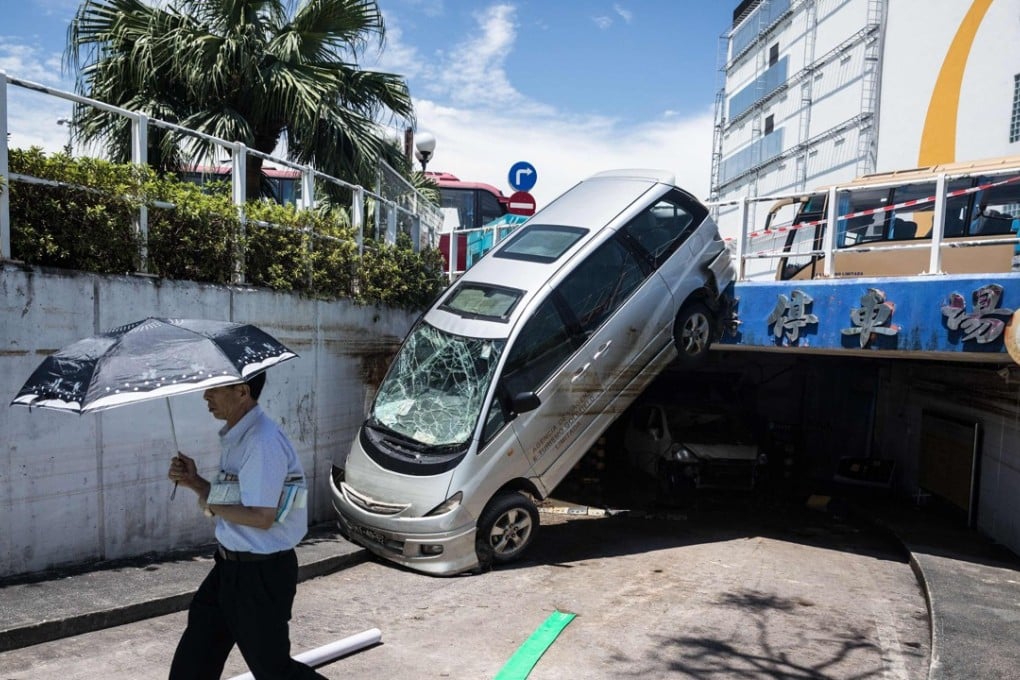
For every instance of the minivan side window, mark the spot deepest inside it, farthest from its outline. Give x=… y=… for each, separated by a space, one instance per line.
x=600 y=284
x=663 y=227
x=587 y=297
x=542 y=346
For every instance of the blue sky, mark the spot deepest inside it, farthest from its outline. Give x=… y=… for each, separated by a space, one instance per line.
x=572 y=86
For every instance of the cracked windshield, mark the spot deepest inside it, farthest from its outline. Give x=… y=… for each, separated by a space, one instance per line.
x=435 y=390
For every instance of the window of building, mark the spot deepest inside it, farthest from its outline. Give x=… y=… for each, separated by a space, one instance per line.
x=770 y=123
x=1014 y=123
x=773 y=54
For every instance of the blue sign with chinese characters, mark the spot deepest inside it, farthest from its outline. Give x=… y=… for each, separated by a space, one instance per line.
x=931 y=316
x=522 y=176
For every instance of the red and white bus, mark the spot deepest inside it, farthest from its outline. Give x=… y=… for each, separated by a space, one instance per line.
x=465 y=205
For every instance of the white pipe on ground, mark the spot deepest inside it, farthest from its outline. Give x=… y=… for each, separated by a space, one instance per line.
x=326 y=653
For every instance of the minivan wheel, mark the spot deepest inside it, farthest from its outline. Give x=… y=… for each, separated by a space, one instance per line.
x=505 y=529
x=692 y=332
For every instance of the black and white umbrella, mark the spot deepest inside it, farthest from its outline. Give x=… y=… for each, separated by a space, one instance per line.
x=149 y=359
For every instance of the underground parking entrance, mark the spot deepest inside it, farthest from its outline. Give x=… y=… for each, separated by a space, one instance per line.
x=748 y=431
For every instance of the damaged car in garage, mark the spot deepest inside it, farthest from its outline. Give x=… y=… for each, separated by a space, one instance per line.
x=686 y=448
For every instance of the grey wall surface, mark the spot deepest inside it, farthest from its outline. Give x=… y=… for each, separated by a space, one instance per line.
x=987 y=396
x=94 y=487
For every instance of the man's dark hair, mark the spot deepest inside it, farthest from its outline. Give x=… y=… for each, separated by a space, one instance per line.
x=255 y=384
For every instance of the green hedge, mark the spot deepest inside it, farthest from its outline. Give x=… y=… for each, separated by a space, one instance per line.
x=87 y=223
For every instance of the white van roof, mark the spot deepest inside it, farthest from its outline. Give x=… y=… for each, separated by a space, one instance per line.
x=649 y=175
x=589 y=207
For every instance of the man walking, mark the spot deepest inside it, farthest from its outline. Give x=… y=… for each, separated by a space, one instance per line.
x=246 y=599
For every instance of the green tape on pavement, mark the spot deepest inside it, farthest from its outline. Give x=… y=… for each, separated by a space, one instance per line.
x=528 y=654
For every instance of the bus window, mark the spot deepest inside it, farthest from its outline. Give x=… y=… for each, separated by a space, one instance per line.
x=458 y=206
x=800 y=266
x=912 y=221
x=957 y=208
x=801 y=240
x=873 y=244
x=863 y=228
x=995 y=209
x=489 y=207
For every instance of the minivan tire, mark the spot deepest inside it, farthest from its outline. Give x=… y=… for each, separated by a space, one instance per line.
x=505 y=529
x=693 y=332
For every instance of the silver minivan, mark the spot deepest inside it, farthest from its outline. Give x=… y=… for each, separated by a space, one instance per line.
x=509 y=378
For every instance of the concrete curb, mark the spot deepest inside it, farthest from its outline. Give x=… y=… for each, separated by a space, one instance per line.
x=934 y=623
x=47 y=631
x=933 y=620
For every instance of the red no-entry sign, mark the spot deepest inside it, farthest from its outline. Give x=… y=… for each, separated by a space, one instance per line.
x=521 y=203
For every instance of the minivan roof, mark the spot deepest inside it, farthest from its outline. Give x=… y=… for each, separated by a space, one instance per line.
x=593 y=204
x=651 y=175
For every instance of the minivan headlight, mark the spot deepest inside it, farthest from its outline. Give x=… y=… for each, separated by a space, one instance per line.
x=446 y=506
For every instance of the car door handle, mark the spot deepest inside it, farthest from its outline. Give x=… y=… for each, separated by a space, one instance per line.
x=579 y=372
x=602 y=350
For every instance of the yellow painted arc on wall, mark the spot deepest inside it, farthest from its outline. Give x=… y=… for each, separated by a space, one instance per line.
x=938 y=139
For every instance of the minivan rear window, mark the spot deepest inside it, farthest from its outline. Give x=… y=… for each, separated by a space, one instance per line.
x=541 y=243
x=483 y=301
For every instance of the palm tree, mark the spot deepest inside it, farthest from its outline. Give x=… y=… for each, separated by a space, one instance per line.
x=245 y=70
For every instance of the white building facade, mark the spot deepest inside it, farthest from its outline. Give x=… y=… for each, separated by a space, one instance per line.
x=818 y=92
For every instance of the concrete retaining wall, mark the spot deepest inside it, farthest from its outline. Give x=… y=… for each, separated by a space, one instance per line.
x=81 y=488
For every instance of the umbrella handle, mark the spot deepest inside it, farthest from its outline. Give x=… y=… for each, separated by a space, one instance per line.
x=173 y=431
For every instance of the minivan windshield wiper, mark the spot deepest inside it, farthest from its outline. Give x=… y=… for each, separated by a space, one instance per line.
x=374 y=424
x=434 y=392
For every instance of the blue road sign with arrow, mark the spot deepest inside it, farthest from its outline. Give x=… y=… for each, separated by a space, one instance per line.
x=522 y=176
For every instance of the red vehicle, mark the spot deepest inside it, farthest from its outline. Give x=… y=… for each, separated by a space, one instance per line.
x=465 y=205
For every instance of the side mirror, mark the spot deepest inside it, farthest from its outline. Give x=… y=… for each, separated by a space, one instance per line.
x=524 y=402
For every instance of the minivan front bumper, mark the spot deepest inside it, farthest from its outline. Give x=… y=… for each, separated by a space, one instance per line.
x=422 y=543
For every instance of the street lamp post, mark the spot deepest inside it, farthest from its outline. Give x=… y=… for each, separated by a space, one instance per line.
x=424 y=146
x=70 y=133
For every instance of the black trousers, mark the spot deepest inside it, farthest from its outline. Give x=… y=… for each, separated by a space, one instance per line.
x=243 y=603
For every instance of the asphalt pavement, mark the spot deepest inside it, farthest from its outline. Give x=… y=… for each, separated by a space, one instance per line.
x=972 y=587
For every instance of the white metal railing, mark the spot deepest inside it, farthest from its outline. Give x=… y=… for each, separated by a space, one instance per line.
x=487 y=237
x=421 y=219
x=744 y=251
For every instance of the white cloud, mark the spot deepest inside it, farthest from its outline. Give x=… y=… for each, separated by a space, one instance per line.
x=483 y=124
x=474 y=73
x=32 y=116
x=624 y=13
x=396 y=55
x=29 y=62
x=603 y=22
x=480 y=145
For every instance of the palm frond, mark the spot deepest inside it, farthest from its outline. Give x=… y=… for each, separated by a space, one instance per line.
x=246 y=70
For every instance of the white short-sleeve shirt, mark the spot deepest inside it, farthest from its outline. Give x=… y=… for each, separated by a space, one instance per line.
x=259 y=456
